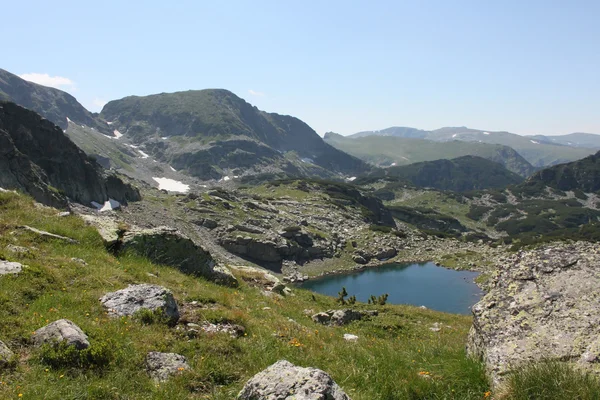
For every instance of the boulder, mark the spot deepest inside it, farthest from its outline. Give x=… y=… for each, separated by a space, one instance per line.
x=6 y=355
x=386 y=253
x=168 y=246
x=134 y=298
x=48 y=235
x=283 y=380
x=542 y=304
x=160 y=366
x=107 y=227
x=7 y=267
x=62 y=330
x=223 y=276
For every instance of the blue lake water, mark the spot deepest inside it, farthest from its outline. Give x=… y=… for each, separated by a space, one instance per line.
x=423 y=284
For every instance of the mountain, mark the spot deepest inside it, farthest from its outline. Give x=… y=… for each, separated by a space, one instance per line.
x=213 y=133
x=396 y=131
x=582 y=175
x=459 y=174
x=38 y=158
x=53 y=104
x=385 y=151
x=578 y=139
x=536 y=152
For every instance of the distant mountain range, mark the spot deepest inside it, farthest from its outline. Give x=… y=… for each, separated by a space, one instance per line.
x=459 y=174
x=388 y=151
x=539 y=151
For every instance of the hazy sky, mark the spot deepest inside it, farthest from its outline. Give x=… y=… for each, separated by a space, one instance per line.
x=524 y=66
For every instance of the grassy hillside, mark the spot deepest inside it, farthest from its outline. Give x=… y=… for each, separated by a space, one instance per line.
x=384 y=151
x=460 y=174
x=396 y=356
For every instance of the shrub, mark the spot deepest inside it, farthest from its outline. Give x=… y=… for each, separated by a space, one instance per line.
x=149 y=317
x=62 y=355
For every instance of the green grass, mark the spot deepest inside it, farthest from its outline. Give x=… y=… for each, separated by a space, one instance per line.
x=386 y=363
x=550 y=381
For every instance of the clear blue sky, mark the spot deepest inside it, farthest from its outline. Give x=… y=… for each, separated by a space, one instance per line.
x=524 y=66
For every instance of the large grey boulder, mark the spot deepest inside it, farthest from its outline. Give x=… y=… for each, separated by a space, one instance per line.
x=7 y=267
x=128 y=301
x=542 y=304
x=62 y=330
x=168 y=246
x=283 y=380
x=160 y=366
x=6 y=355
x=107 y=227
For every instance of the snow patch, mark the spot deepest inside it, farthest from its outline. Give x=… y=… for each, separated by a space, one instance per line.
x=68 y=120
x=351 y=178
x=307 y=160
x=172 y=185
x=534 y=142
x=226 y=178
x=164 y=137
x=172 y=169
x=455 y=135
x=117 y=134
x=144 y=155
x=404 y=158
x=486 y=133
x=108 y=205
x=109 y=123
x=393 y=164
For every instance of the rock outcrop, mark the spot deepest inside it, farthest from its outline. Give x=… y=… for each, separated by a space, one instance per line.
x=160 y=366
x=128 y=301
x=62 y=330
x=542 y=304
x=342 y=317
x=283 y=380
x=38 y=158
x=168 y=246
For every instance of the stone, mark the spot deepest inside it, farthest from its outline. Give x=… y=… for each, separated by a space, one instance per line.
x=283 y=380
x=160 y=366
x=107 y=227
x=541 y=304
x=223 y=276
x=7 y=267
x=6 y=355
x=49 y=235
x=386 y=253
x=79 y=261
x=128 y=301
x=62 y=330
x=321 y=318
x=18 y=249
x=209 y=223
x=350 y=337
x=359 y=259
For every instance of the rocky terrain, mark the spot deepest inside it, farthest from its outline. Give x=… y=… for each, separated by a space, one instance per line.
x=37 y=158
x=541 y=305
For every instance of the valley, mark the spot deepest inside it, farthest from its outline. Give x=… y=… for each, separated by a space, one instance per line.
x=174 y=238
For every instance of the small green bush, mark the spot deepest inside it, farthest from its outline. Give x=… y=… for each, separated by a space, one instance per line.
x=62 y=355
x=149 y=317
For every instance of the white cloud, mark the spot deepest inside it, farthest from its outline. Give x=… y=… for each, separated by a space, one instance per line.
x=44 y=79
x=255 y=93
x=99 y=102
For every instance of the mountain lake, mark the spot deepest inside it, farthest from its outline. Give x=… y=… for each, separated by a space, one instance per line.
x=422 y=284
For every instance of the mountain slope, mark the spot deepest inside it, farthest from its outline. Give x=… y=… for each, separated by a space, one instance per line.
x=578 y=139
x=538 y=153
x=53 y=104
x=38 y=158
x=211 y=133
x=582 y=175
x=384 y=151
x=460 y=174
